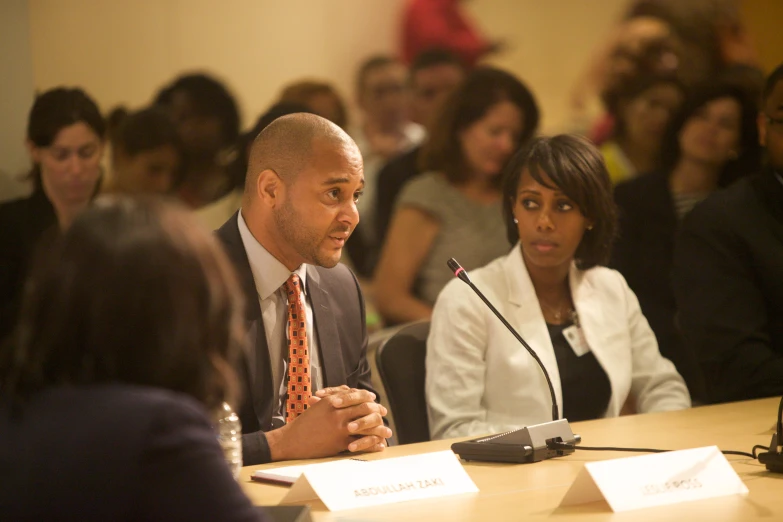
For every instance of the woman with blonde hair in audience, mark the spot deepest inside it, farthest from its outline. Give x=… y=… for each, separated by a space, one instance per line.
x=65 y=139
x=146 y=153
x=581 y=318
x=711 y=142
x=130 y=325
x=454 y=208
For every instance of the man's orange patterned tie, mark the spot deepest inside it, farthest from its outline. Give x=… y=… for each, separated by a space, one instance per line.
x=299 y=389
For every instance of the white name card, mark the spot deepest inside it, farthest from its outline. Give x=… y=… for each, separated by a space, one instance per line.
x=347 y=486
x=656 y=480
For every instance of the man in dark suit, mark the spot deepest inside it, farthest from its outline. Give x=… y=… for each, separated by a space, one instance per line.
x=306 y=380
x=728 y=274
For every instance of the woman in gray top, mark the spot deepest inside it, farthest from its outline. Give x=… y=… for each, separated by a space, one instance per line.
x=454 y=208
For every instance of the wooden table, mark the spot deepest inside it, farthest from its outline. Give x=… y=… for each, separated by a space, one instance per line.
x=533 y=491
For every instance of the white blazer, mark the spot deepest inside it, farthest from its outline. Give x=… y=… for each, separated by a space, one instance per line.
x=480 y=380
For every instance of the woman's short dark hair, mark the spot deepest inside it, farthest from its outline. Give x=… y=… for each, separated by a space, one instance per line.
x=748 y=160
x=209 y=98
x=573 y=165
x=483 y=88
x=56 y=109
x=135 y=291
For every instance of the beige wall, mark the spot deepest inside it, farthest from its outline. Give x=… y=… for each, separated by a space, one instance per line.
x=123 y=50
x=16 y=94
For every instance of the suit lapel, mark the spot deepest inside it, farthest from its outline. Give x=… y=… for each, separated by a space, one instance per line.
x=325 y=326
x=256 y=347
x=527 y=318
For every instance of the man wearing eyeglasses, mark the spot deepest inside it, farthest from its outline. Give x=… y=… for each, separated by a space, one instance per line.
x=728 y=273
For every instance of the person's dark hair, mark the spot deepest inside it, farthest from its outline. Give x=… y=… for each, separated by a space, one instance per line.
x=772 y=81
x=134 y=291
x=56 y=109
x=483 y=88
x=238 y=168
x=573 y=165
x=209 y=98
x=141 y=131
x=433 y=58
x=748 y=160
x=634 y=87
x=370 y=65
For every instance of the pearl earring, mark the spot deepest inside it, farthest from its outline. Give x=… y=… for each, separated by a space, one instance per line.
x=516 y=221
x=589 y=227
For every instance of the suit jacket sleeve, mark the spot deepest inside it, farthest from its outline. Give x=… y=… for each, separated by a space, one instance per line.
x=255 y=448
x=184 y=475
x=722 y=311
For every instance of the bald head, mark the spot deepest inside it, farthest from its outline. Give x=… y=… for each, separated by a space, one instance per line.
x=286 y=146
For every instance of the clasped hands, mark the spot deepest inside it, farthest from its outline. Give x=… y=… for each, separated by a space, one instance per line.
x=337 y=419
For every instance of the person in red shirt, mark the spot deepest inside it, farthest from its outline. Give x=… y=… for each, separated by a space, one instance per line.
x=441 y=24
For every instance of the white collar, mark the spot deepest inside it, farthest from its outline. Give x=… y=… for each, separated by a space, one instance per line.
x=269 y=274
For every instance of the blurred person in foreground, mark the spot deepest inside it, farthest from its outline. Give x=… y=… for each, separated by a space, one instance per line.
x=580 y=317
x=306 y=379
x=728 y=273
x=454 y=208
x=129 y=327
x=710 y=143
x=65 y=140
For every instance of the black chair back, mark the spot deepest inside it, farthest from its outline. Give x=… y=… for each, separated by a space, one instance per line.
x=401 y=365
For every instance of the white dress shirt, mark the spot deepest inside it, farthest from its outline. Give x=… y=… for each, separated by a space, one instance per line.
x=480 y=380
x=270 y=276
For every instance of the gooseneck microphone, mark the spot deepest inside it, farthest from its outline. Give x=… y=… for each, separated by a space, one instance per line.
x=460 y=273
x=536 y=442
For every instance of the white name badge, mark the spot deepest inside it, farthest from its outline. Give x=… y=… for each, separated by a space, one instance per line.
x=340 y=486
x=656 y=480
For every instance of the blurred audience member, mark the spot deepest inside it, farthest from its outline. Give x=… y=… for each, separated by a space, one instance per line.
x=145 y=152
x=454 y=208
x=320 y=98
x=218 y=212
x=385 y=132
x=429 y=24
x=582 y=319
x=711 y=143
x=129 y=327
x=727 y=274
x=710 y=34
x=207 y=119
x=698 y=39
x=65 y=138
x=433 y=76
x=641 y=111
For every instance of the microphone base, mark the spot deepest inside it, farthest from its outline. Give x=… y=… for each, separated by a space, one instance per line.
x=525 y=445
x=773 y=459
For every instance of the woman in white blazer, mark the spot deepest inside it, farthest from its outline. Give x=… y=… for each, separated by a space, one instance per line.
x=581 y=318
